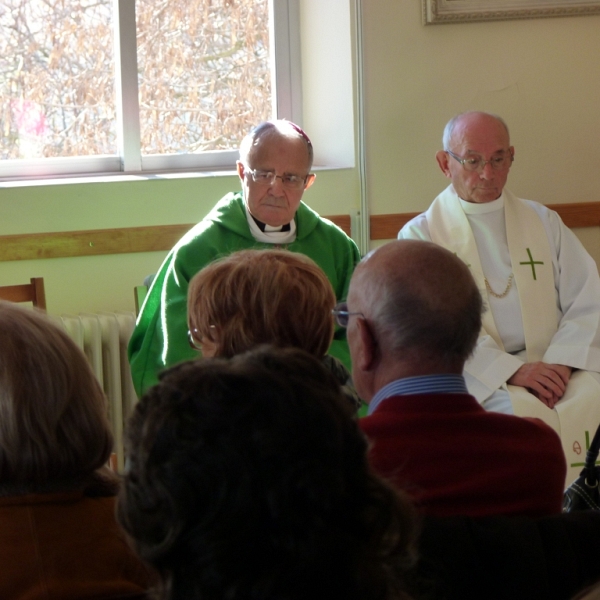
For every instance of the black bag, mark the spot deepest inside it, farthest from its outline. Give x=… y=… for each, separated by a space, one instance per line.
x=583 y=493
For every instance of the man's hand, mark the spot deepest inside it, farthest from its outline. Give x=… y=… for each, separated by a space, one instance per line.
x=547 y=382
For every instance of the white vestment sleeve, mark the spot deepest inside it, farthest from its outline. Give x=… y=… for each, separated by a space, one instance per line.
x=577 y=341
x=416 y=229
x=489 y=368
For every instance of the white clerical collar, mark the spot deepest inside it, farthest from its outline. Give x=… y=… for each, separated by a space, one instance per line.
x=482 y=208
x=271 y=229
x=270 y=237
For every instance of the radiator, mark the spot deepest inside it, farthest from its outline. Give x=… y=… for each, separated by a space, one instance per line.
x=103 y=337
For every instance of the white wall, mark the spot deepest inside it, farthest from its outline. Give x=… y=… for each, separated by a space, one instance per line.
x=541 y=75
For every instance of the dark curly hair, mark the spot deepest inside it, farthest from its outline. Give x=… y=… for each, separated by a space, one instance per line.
x=248 y=479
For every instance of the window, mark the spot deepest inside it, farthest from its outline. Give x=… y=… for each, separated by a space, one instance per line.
x=56 y=86
x=140 y=85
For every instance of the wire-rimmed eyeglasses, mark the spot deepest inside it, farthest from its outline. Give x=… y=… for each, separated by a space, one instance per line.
x=342 y=315
x=196 y=341
x=290 y=182
x=474 y=163
x=192 y=341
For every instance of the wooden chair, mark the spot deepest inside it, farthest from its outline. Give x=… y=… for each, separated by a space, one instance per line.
x=140 y=292
x=28 y=292
x=139 y=295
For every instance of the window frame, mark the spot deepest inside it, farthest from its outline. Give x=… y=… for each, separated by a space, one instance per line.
x=284 y=34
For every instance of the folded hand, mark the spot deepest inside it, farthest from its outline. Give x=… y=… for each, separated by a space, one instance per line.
x=546 y=381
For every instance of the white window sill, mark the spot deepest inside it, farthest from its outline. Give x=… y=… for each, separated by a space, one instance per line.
x=123 y=177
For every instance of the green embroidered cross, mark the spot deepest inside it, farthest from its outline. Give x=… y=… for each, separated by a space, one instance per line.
x=532 y=263
x=577 y=449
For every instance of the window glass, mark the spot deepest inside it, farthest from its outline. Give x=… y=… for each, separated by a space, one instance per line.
x=56 y=79
x=204 y=73
x=203 y=79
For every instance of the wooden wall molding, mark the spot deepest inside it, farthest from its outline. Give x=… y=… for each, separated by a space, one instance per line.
x=32 y=246
x=580 y=214
x=386 y=227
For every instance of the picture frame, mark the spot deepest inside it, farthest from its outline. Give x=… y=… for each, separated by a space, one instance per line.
x=469 y=11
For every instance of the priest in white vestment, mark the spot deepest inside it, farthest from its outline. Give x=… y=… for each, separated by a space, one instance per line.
x=539 y=350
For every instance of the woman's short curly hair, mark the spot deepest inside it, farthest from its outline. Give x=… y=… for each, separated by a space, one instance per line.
x=54 y=429
x=248 y=478
x=257 y=297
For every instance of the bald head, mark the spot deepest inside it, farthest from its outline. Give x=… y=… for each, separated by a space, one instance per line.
x=467 y=121
x=420 y=301
x=267 y=131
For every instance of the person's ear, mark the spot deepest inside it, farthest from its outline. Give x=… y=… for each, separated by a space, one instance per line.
x=240 y=169
x=368 y=349
x=442 y=158
x=310 y=179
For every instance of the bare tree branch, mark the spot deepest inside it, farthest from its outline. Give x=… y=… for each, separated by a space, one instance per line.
x=203 y=75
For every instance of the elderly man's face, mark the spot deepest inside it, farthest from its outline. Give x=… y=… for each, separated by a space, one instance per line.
x=275 y=204
x=477 y=136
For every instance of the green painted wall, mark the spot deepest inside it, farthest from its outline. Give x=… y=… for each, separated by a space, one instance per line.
x=90 y=284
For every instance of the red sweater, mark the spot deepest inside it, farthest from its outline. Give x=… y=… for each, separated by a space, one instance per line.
x=454 y=458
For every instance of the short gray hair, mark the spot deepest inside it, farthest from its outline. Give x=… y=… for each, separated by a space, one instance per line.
x=430 y=305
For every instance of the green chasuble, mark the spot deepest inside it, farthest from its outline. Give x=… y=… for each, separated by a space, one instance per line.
x=160 y=336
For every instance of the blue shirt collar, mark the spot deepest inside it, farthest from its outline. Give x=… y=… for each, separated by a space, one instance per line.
x=450 y=383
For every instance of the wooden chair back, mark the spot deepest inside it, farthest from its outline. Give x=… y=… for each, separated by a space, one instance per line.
x=139 y=295
x=27 y=292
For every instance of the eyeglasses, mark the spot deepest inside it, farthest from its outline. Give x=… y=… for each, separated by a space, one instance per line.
x=290 y=182
x=194 y=344
x=342 y=315
x=474 y=163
